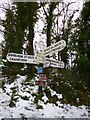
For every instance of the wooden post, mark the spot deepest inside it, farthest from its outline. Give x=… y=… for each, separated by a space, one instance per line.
x=40 y=86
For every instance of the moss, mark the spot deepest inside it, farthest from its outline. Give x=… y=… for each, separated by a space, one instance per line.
x=24 y=97
x=15 y=99
x=28 y=80
x=35 y=100
x=53 y=99
x=13 y=88
x=48 y=93
x=28 y=91
x=38 y=97
x=12 y=104
x=39 y=107
x=34 y=94
x=8 y=94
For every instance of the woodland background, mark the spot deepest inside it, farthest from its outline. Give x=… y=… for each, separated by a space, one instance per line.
x=59 y=24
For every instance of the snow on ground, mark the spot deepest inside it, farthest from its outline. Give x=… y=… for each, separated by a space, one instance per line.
x=27 y=108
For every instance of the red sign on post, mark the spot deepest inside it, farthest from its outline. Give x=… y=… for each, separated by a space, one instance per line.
x=42 y=80
x=42 y=77
x=40 y=83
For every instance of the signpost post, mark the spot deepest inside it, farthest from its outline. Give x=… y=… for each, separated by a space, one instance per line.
x=41 y=60
x=40 y=71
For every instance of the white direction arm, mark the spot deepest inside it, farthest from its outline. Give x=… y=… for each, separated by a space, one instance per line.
x=50 y=50
x=58 y=46
x=21 y=58
x=53 y=63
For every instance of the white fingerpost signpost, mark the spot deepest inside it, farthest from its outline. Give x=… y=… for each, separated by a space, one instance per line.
x=41 y=60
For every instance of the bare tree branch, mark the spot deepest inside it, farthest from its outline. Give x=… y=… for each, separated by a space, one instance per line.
x=63 y=10
x=44 y=9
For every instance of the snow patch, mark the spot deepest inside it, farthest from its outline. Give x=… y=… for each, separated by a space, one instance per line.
x=27 y=108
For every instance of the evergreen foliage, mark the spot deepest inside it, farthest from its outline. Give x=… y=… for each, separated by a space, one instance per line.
x=19 y=29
